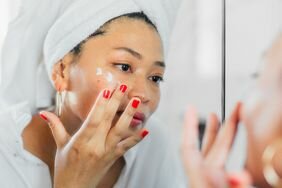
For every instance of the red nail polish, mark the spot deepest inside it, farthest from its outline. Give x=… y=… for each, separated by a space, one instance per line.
x=123 y=88
x=43 y=117
x=106 y=94
x=233 y=182
x=144 y=133
x=135 y=103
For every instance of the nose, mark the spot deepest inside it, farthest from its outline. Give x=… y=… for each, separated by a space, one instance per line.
x=140 y=89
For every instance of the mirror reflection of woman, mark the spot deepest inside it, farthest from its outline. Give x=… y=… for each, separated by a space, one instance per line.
x=261 y=114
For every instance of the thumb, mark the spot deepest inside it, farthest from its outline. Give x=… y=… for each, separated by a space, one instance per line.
x=58 y=130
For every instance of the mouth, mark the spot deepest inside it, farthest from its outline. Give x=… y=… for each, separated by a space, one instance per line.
x=138 y=119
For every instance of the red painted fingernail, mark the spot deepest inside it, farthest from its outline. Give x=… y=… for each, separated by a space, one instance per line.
x=135 y=103
x=106 y=94
x=123 y=88
x=233 y=182
x=144 y=133
x=43 y=117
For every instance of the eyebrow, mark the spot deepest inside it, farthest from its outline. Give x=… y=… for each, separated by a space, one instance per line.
x=160 y=63
x=139 y=56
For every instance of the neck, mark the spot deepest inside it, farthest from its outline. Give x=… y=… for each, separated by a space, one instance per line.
x=71 y=122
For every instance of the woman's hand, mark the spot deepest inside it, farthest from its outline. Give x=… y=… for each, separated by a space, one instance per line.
x=205 y=168
x=84 y=158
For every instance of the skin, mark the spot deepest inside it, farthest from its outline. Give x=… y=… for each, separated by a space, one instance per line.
x=90 y=129
x=261 y=115
x=205 y=167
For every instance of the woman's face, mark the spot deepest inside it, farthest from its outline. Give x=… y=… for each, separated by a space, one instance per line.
x=262 y=114
x=129 y=52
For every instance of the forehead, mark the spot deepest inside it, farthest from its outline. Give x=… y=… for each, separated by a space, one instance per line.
x=132 y=33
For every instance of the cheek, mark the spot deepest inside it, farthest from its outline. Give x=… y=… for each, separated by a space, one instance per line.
x=255 y=130
x=258 y=120
x=85 y=88
x=251 y=113
x=155 y=99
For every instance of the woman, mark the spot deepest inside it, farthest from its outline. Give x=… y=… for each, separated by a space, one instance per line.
x=262 y=116
x=108 y=87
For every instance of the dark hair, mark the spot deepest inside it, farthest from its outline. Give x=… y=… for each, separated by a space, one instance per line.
x=135 y=15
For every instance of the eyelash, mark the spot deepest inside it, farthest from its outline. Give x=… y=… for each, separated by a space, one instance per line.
x=121 y=66
x=124 y=65
x=160 y=79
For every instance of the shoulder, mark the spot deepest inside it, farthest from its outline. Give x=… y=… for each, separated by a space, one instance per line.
x=18 y=167
x=13 y=120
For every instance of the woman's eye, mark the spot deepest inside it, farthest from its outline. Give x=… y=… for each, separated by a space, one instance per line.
x=123 y=67
x=156 y=79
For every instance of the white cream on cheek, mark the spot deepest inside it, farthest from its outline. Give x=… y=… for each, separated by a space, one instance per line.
x=72 y=96
x=99 y=71
x=107 y=76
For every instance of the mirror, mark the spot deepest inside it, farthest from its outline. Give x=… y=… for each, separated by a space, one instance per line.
x=194 y=63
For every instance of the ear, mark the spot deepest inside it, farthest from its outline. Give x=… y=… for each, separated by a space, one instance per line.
x=60 y=72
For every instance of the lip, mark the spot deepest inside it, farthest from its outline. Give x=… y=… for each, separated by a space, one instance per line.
x=138 y=119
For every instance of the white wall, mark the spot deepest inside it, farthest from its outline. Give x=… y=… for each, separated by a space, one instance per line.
x=193 y=74
x=4 y=17
x=8 y=11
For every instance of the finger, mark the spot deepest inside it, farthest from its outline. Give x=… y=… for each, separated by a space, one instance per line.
x=239 y=180
x=219 y=151
x=210 y=133
x=130 y=142
x=59 y=132
x=190 y=145
x=120 y=130
x=109 y=113
x=191 y=132
x=95 y=116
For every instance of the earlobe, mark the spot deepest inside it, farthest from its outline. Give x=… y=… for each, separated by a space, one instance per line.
x=60 y=74
x=58 y=82
x=57 y=76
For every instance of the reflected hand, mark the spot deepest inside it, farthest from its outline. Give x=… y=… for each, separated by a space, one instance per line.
x=206 y=168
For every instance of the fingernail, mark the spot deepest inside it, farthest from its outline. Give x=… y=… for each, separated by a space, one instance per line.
x=233 y=182
x=144 y=133
x=43 y=117
x=106 y=94
x=135 y=103
x=123 y=88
